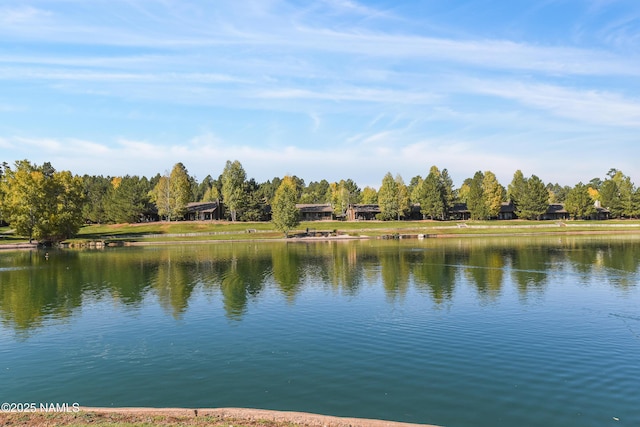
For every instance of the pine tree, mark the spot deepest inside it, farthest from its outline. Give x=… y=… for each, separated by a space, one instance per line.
x=535 y=200
x=475 y=199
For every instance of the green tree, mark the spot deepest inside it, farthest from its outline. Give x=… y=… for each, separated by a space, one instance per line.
x=205 y=186
x=95 y=190
x=404 y=205
x=431 y=195
x=316 y=192
x=475 y=199
x=173 y=192
x=493 y=194
x=369 y=196
x=233 y=180
x=255 y=206
x=627 y=200
x=181 y=189
x=211 y=194
x=579 y=203
x=343 y=194
x=448 y=191
x=393 y=197
x=610 y=198
x=517 y=188
x=40 y=203
x=284 y=213
x=415 y=189
x=558 y=193
x=618 y=194
x=388 y=198
x=127 y=199
x=535 y=200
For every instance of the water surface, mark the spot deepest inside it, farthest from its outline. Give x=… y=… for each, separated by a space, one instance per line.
x=455 y=332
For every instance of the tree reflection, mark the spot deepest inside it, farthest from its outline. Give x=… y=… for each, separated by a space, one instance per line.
x=436 y=273
x=287 y=270
x=486 y=270
x=35 y=289
x=173 y=285
x=395 y=272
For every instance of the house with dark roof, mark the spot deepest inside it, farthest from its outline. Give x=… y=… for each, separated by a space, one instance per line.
x=460 y=211
x=556 y=211
x=507 y=211
x=203 y=211
x=362 y=212
x=315 y=212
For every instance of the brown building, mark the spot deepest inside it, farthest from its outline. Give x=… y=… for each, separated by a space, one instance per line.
x=315 y=212
x=203 y=211
x=362 y=212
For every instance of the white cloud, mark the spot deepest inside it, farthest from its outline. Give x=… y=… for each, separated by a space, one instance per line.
x=21 y=16
x=590 y=106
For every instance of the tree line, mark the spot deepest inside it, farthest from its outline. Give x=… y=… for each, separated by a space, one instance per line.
x=48 y=205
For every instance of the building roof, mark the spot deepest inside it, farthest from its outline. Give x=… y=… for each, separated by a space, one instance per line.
x=507 y=207
x=460 y=208
x=556 y=208
x=202 y=207
x=314 y=208
x=366 y=208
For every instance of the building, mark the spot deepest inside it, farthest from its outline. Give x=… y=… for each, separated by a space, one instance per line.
x=459 y=211
x=556 y=212
x=203 y=211
x=362 y=212
x=507 y=211
x=315 y=212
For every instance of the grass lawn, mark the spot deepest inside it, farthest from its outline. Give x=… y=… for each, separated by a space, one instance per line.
x=8 y=237
x=222 y=230
x=89 y=419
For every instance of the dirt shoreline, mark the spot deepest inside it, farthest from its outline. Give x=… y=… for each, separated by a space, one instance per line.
x=255 y=415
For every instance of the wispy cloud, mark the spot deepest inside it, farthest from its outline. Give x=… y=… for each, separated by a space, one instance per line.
x=127 y=84
x=589 y=106
x=22 y=15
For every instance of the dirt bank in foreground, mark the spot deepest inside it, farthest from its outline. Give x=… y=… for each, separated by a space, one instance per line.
x=218 y=417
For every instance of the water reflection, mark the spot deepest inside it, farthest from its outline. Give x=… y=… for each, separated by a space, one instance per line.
x=34 y=289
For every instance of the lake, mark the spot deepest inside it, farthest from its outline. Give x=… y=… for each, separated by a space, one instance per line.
x=535 y=331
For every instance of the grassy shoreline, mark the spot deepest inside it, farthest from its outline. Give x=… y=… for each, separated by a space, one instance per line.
x=174 y=417
x=220 y=231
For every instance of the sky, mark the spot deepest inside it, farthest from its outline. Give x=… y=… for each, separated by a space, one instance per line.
x=325 y=89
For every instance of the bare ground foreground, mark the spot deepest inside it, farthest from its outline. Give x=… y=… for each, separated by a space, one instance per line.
x=169 y=417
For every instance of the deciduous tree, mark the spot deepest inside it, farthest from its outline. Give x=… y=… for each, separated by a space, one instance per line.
x=40 y=203
x=369 y=196
x=579 y=204
x=284 y=213
x=388 y=198
x=172 y=193
x=233 y=180
x=493 y=193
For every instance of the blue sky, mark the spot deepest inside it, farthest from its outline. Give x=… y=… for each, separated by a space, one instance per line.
x=325 y=89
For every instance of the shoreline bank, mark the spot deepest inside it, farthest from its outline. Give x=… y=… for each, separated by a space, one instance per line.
x=461 y=231
x=192 y=417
